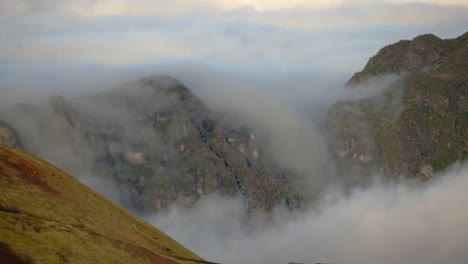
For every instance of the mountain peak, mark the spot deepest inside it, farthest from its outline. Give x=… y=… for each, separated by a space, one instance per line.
x=160 y=143
x=162 y=81
x=398 y=130
x=404 y=56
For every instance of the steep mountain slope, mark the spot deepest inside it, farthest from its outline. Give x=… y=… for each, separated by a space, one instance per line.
x=47 y=216
x=158 y=141
x=418 y=124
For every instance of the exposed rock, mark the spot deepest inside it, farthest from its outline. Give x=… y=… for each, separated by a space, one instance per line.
x=8 y=137
x=135 y=157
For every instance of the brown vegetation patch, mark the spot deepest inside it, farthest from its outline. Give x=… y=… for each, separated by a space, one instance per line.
x=8 y=256
x=141 y=252
x=26 y=171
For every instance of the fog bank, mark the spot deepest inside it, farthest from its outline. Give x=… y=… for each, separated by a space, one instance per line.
x=386 y=224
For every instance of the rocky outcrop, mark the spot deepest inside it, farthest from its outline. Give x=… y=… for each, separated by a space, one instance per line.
x=418 y=124
x=8 y=137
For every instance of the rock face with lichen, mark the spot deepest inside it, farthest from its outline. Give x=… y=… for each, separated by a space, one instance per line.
x=8 y=136
x=418 y=124
x=159 y=142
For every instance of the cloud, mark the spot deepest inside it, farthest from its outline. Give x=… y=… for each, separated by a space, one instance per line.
x=386 y=223
x=184 y=7
x=268 y=103
x=342 y=37
x=374 y=13
x=274 y=65
x=107 y=7
x=274 y=78
x=268 y=5
x=136 y=40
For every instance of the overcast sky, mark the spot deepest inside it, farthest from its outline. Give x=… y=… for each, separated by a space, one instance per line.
x=336 y=34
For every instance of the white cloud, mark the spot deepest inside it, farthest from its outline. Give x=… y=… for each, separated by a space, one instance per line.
x=266 y=5
x=181 y=7
x=235 y=38
x=360 y=14
x=383 y=224
x=342 y=37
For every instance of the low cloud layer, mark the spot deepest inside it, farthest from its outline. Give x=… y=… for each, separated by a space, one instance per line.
x=406 y=222
x=397 y=223
x=284 y=110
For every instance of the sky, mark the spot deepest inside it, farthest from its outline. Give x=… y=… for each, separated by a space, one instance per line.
x=48 y=46
x=276 y=33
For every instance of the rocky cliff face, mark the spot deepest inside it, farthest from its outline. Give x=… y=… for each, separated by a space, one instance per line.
x=8 y=136
x=159 y=142
x=419 y=123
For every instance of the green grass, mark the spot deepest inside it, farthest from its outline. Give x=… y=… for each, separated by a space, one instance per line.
x=47 y=216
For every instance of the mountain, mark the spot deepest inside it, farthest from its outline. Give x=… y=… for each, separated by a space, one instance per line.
x=158 y=141
x=47 y=216
x=418 y=124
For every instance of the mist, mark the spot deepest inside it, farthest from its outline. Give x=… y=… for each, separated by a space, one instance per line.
x=273 y=69
x=403 y=222
x=284 y=109
x=383 y=223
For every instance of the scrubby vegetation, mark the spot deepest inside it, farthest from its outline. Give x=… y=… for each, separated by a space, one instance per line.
x=418 y=125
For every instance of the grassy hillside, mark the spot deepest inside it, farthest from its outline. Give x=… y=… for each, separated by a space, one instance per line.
x=47 y=216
